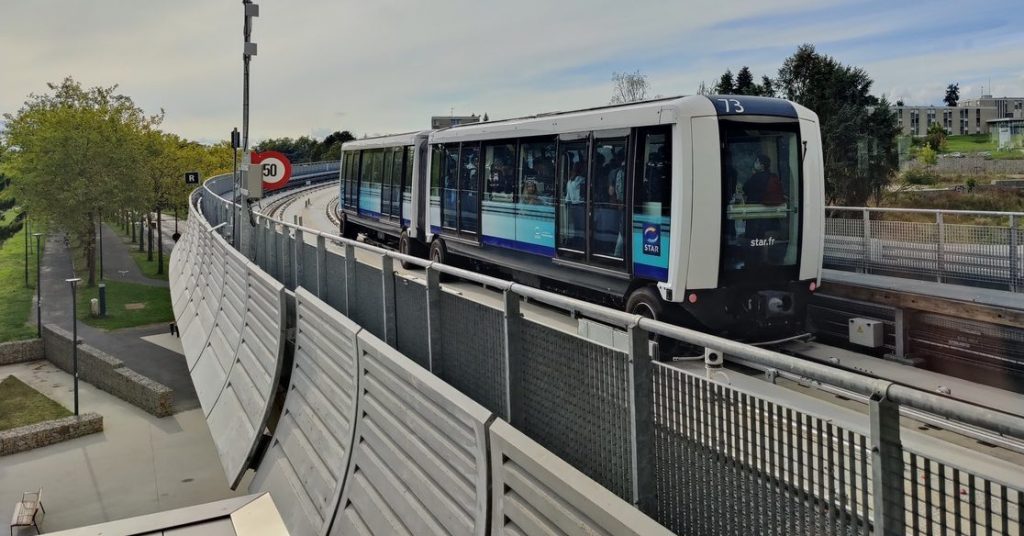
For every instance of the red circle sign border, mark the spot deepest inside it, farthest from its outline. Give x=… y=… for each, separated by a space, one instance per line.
x=270 y=186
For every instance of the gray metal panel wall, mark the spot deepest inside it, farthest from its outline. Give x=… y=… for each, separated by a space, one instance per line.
x=368 y=310
x=305 y=465
x=419 y=461
x=336 y=284
x=472 y=343
x=286 y=247
x=308 y=260
x=536 y=494
x=411 y=320
x=575 y=402
x=239 y=417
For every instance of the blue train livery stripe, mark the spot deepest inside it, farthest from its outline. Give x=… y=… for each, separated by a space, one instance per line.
x=518 y=246
x=650 y=272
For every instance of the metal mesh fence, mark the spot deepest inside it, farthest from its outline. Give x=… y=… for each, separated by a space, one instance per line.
x=472 y=350
x=943 y=499
x=727 y=462
x=983 y=251
x=575 y=402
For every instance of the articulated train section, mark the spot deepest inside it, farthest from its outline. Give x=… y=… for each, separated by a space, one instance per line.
x=434 y=400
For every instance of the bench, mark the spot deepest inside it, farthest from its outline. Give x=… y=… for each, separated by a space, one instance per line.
x=25 y=510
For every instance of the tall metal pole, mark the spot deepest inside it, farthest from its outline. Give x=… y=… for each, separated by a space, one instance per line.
x=235 y=182
x=74 y=334
x=248 y=51
x=39 y=288
x=26 y=251
x=100 y=217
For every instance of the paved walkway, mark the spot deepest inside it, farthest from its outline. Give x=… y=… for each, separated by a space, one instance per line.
x=157 y=362
x=138 y=465
x=118 y=264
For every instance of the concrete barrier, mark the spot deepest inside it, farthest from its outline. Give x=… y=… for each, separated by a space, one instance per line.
x=21 y=351
x=536 y=493
x=305 y=464
x=108 y=373
x=419 y=456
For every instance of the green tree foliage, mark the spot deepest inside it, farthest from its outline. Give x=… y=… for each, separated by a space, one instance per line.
x=952 y=94
x=927 y=155
x=936 y=137
x=73 y=154
x=858 y=130
x=725 y=85
x=744 y=84
x=307 y=149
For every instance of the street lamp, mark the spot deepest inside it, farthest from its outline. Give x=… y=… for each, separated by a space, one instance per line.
x=101 y=245
x=74 y=333
x=26 y=251
x=39 y=288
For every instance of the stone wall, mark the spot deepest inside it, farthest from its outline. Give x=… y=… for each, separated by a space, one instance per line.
x=973 y=166
x=108 y=373
x=49 y=432
x=21 y=351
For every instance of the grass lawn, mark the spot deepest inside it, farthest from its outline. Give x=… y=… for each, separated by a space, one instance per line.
x=972 y=143
x=149 y=267
x=15 y=299
x=21 y=405
x=155 y=305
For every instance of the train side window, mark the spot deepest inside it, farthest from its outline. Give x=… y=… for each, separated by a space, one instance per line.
x=450 y=187
x=653 y=193
x=500 y=171
x=537 y=172
x=407 y=178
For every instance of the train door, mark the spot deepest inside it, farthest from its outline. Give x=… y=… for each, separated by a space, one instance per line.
x=574 y=194
x=469 y=189
x=607 y=240
x=449 y=187
x=391 y=196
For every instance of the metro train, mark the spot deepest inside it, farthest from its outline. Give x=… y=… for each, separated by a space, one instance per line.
x=703 y=211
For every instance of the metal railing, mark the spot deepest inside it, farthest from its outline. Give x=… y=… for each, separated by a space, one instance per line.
x=696 y=448
x=973 y=248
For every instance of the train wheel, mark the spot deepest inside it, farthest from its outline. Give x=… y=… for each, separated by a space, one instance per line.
x=406 y=247
x=439 y=254
x=346 y=229
x=646 y=303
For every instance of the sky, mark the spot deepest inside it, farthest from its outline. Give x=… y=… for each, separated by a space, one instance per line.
x=384 y=66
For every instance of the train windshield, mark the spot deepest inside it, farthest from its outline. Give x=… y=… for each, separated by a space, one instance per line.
x=761 y=195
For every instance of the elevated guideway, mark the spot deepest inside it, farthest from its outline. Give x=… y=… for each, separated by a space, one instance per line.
x=767 y=460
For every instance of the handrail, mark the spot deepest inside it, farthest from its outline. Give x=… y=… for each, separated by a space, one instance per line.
x=992 y=213
x=988 y=418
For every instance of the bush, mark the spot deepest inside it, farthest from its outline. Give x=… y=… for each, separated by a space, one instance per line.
x=972 y=183
x=927 y=155
x=920 y=175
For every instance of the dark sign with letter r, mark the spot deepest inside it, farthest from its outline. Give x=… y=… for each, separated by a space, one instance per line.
x=192 y=177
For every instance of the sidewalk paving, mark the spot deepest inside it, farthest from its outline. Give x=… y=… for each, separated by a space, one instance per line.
x=139 y=464
x=157 y=362
x=118 y=264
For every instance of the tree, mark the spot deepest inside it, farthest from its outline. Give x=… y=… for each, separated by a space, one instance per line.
x=73 y=154
x=629 y=87
x=704 y=89
x=858 y=130
x=952 y=94
x=725 y=85
x=936 y=137
x=767 y=87
x=927 y=155
x=745 y=82
x=899 y=102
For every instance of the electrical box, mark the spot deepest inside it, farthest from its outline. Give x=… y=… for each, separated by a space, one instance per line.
x=867 y=332
x=252 y=178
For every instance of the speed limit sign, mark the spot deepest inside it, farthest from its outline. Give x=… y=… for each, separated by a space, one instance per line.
x=275 y=168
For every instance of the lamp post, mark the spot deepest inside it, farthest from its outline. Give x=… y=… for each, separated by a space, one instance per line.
x=39 y=288
x=235 y=142
x=100 y=232
x=26 y=251
x=74 y=333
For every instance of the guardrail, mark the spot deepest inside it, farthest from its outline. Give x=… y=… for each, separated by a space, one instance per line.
x=693 y=448
x=984 y=249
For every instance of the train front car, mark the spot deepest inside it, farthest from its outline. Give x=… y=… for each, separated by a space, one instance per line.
x=757 y=217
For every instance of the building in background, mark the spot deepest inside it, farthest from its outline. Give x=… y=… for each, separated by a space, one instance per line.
x=1008 y=132
x=957 y=120
x=1006 y=107
x=445 y=121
